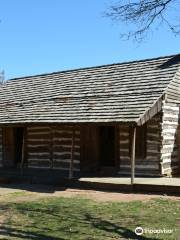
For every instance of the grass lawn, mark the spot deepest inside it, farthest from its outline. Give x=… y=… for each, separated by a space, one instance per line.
x=78 y=218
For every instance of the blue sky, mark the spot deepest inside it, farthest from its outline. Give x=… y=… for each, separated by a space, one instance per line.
x=39 y=36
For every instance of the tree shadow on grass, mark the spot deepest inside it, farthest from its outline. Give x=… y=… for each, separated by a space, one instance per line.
x=9 y=232
x=83 y=221
x=113 y=228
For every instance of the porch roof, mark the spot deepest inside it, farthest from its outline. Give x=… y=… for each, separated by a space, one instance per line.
x=125 y=92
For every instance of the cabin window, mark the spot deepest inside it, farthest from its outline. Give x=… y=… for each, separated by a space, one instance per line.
x=141 y=141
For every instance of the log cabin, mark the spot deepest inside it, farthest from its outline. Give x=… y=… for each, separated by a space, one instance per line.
x=116 y=120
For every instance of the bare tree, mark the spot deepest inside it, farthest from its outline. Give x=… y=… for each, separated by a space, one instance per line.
x=2 y=77
x=143 y=16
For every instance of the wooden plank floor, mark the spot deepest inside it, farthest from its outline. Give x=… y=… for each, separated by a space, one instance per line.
x=161 y=181
x=169 y=186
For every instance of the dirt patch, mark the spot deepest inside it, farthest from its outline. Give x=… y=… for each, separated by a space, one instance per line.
x=109 y=196
x=32 y=194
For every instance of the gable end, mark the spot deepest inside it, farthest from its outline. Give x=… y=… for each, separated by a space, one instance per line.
x=173 y=90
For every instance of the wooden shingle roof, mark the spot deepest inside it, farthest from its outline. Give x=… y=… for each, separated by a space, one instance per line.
x=124 y=92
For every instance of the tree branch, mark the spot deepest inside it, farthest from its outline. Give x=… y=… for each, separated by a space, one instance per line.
x=142 y=15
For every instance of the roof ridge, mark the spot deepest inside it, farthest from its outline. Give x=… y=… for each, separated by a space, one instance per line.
x=93 y=67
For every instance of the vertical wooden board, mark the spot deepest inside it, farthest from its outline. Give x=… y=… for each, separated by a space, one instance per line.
x=8 y=146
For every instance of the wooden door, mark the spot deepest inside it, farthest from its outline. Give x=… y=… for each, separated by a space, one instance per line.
x=89 y=148
x=8 y=147
x=107 y=146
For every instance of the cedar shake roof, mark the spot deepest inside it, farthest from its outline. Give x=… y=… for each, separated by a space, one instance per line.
x=124 y=92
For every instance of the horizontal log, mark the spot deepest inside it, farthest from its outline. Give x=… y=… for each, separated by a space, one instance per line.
x=67 y=152
x=170 y=119
x=38 y=132
x=142 y=162
x=154 y=131
x=60 y=148
x=35 y=149
x=123 y=128
x=38 y=128
x=56 y=146
x=66 y=160
x=65 y=157
x=144 y=172
x=38 y=141
x=169 y=154
x=39 y=136
x=38 y=167
x=152 y=148
x=127 y=158
x=121 y=138
x=153 y=173
x=155 y=135
x=62 y=131
x=168 y=159
x=168 y=146
x=65 y=169
x=153 y=138
x=168 y=151
x=124 y=153
x=65 y=142
x=169 y=125
x=124 y=149
x=42 y=163
x=168 y=137
x=124 y=144
x=154 y=158
x=154 y=142
x=126 y=141
x=121 y=134
x=65 y=165
x=150 y=155
x=170 y=107
x=145 y=167
x=169 y=165
x=62 y=135
x=169 y=142
x=38 y=157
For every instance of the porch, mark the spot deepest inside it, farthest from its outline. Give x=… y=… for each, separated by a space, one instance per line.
x=89 y=150
x=163 y=185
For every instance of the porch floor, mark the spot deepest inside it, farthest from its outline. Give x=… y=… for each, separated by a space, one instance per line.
x=161 y=181
x=162 y=185
x=116 y=184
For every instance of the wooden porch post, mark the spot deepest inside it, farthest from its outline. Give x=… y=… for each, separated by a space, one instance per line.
x=72 y=156
x=133 y=150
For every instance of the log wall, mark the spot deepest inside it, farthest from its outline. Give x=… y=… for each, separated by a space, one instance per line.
x=50 y=147
x=150 y=165
x=1 y=152
x=169 y=150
